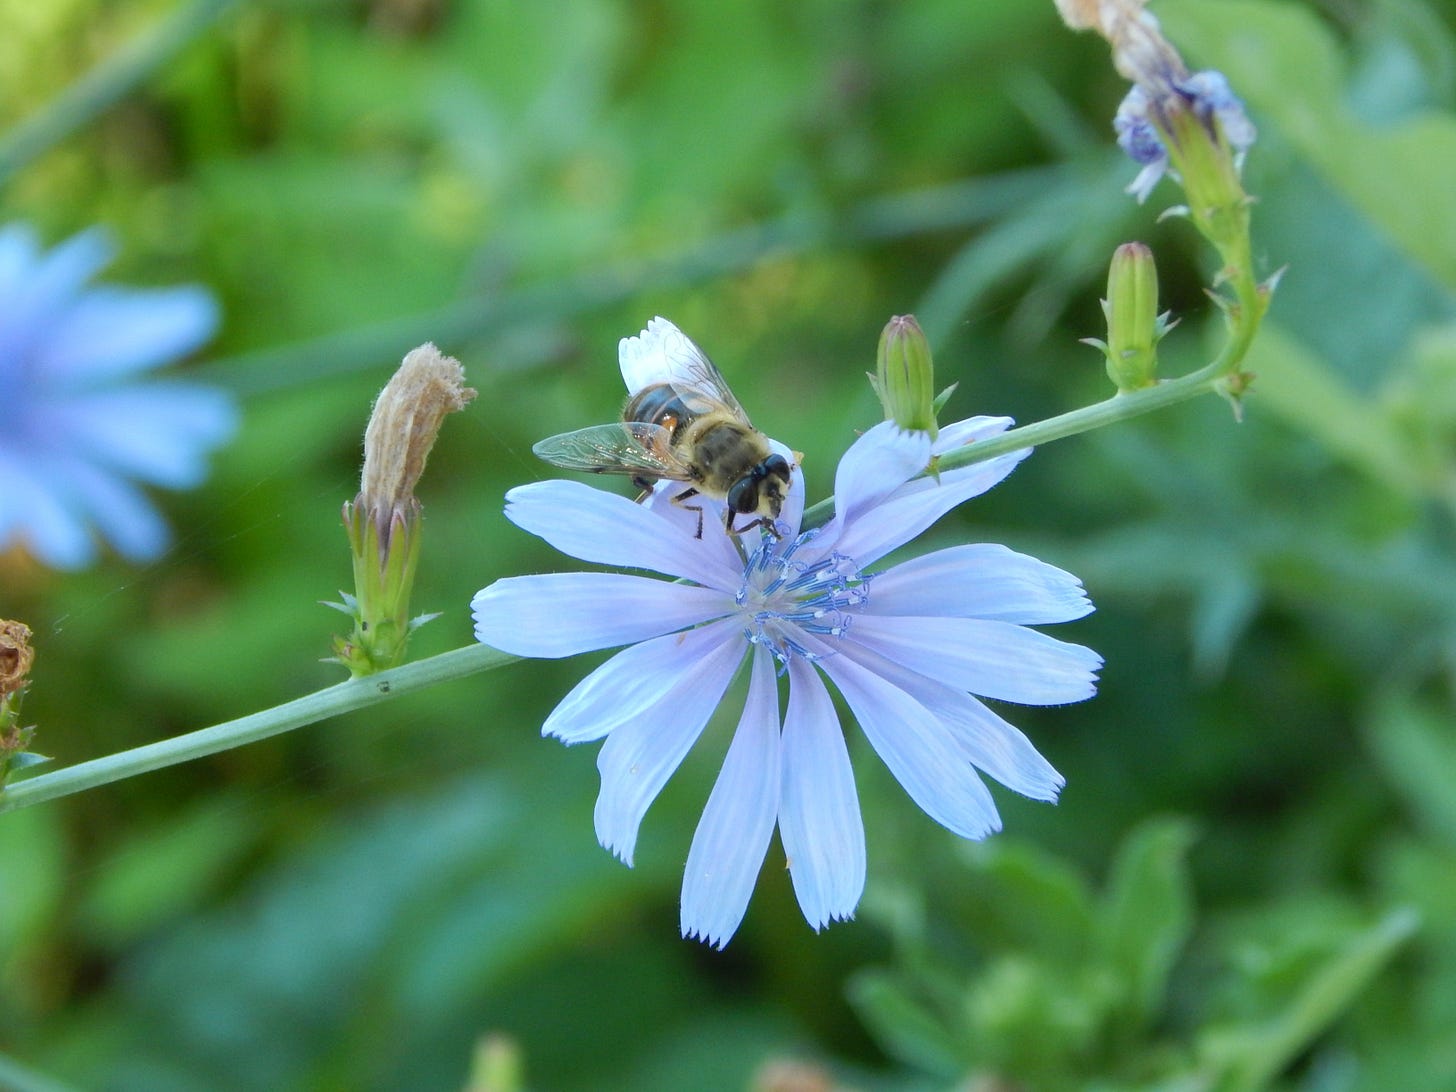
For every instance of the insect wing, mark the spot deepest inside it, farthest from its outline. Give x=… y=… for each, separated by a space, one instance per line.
x=664 y=354
x=625 y=447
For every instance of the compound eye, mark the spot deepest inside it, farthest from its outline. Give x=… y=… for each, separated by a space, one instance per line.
x=776 y=465
x=743 y=497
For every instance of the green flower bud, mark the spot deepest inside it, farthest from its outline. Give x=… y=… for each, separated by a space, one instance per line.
x=1134 y=326
x=905 y=376
x=1132 y=317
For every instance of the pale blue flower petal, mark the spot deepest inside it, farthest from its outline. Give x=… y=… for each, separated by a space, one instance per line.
x=968 y=431
x=633 y=681
x=918 y=749
x=51 y=504
x=37 y=510
x=608 y=529
x=46 y=287
x=563 y=614
x=881 y=460
x=737 y=825
x=110 y=332
x=121 y=512
x=643 y=752
x=919 y=503
x=980 y=580
x=819 y=818
x=792 y=514
x=18 y=249
x=715 y=543
x=158 y=432
x=81 y=439
x=995 y=747
x=993 y=659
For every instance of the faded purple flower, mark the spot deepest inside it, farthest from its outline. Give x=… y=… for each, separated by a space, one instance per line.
x=1206 y=95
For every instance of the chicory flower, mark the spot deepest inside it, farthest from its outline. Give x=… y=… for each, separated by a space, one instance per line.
x=912 y=649
x=78 y=431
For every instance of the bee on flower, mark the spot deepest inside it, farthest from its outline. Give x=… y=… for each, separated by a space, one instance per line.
x=912 y=649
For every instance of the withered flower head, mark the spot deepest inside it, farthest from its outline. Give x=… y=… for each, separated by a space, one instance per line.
x=1140 y=53
x=404 y=424
x=16 y=656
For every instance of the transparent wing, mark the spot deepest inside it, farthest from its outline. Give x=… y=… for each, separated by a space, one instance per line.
x=624 y=447
x=664 y=354
x=698 y=381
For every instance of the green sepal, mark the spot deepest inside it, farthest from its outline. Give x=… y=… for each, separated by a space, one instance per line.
x=386 y=550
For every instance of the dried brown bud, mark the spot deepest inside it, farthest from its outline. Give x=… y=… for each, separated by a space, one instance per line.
x=16 y=656
x=1139 y=51
x=404 y=424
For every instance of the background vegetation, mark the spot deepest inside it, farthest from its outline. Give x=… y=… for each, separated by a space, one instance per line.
x=1251 y=878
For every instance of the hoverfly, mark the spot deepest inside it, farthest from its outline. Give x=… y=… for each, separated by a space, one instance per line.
x=681 y=424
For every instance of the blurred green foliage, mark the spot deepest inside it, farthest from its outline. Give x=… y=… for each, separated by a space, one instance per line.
x=357 y=904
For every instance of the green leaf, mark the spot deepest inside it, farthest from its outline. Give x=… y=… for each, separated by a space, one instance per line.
x=1024 y=898
x=26 y=759
x=1249 y=1058
x=15 y=1077
x=32 y=863
x=164 y=869
x=1294 y=382
x=1147 y=913
x=1225 y=605
x=1032 y=1020
x=903 y=1025
x=1416 y=747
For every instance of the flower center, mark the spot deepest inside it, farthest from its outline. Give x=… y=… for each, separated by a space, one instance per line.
x=784 y=597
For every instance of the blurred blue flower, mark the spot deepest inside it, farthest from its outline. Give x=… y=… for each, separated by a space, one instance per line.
x=78 y=432
x=907 y=648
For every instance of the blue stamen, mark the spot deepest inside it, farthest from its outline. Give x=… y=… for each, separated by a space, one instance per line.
x=783 y=595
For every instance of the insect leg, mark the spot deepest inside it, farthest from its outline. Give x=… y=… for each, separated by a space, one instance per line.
x=688 y=494
x=763 y=521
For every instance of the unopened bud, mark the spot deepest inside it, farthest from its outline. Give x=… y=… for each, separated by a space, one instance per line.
x=905 y=376
x=383 y=521
x=1134 y=326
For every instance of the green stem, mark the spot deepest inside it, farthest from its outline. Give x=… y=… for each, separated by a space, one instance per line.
x=108 y=82
x=357 y=693
x=1244 y=317
x=309 y=709
x=1120 y=407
